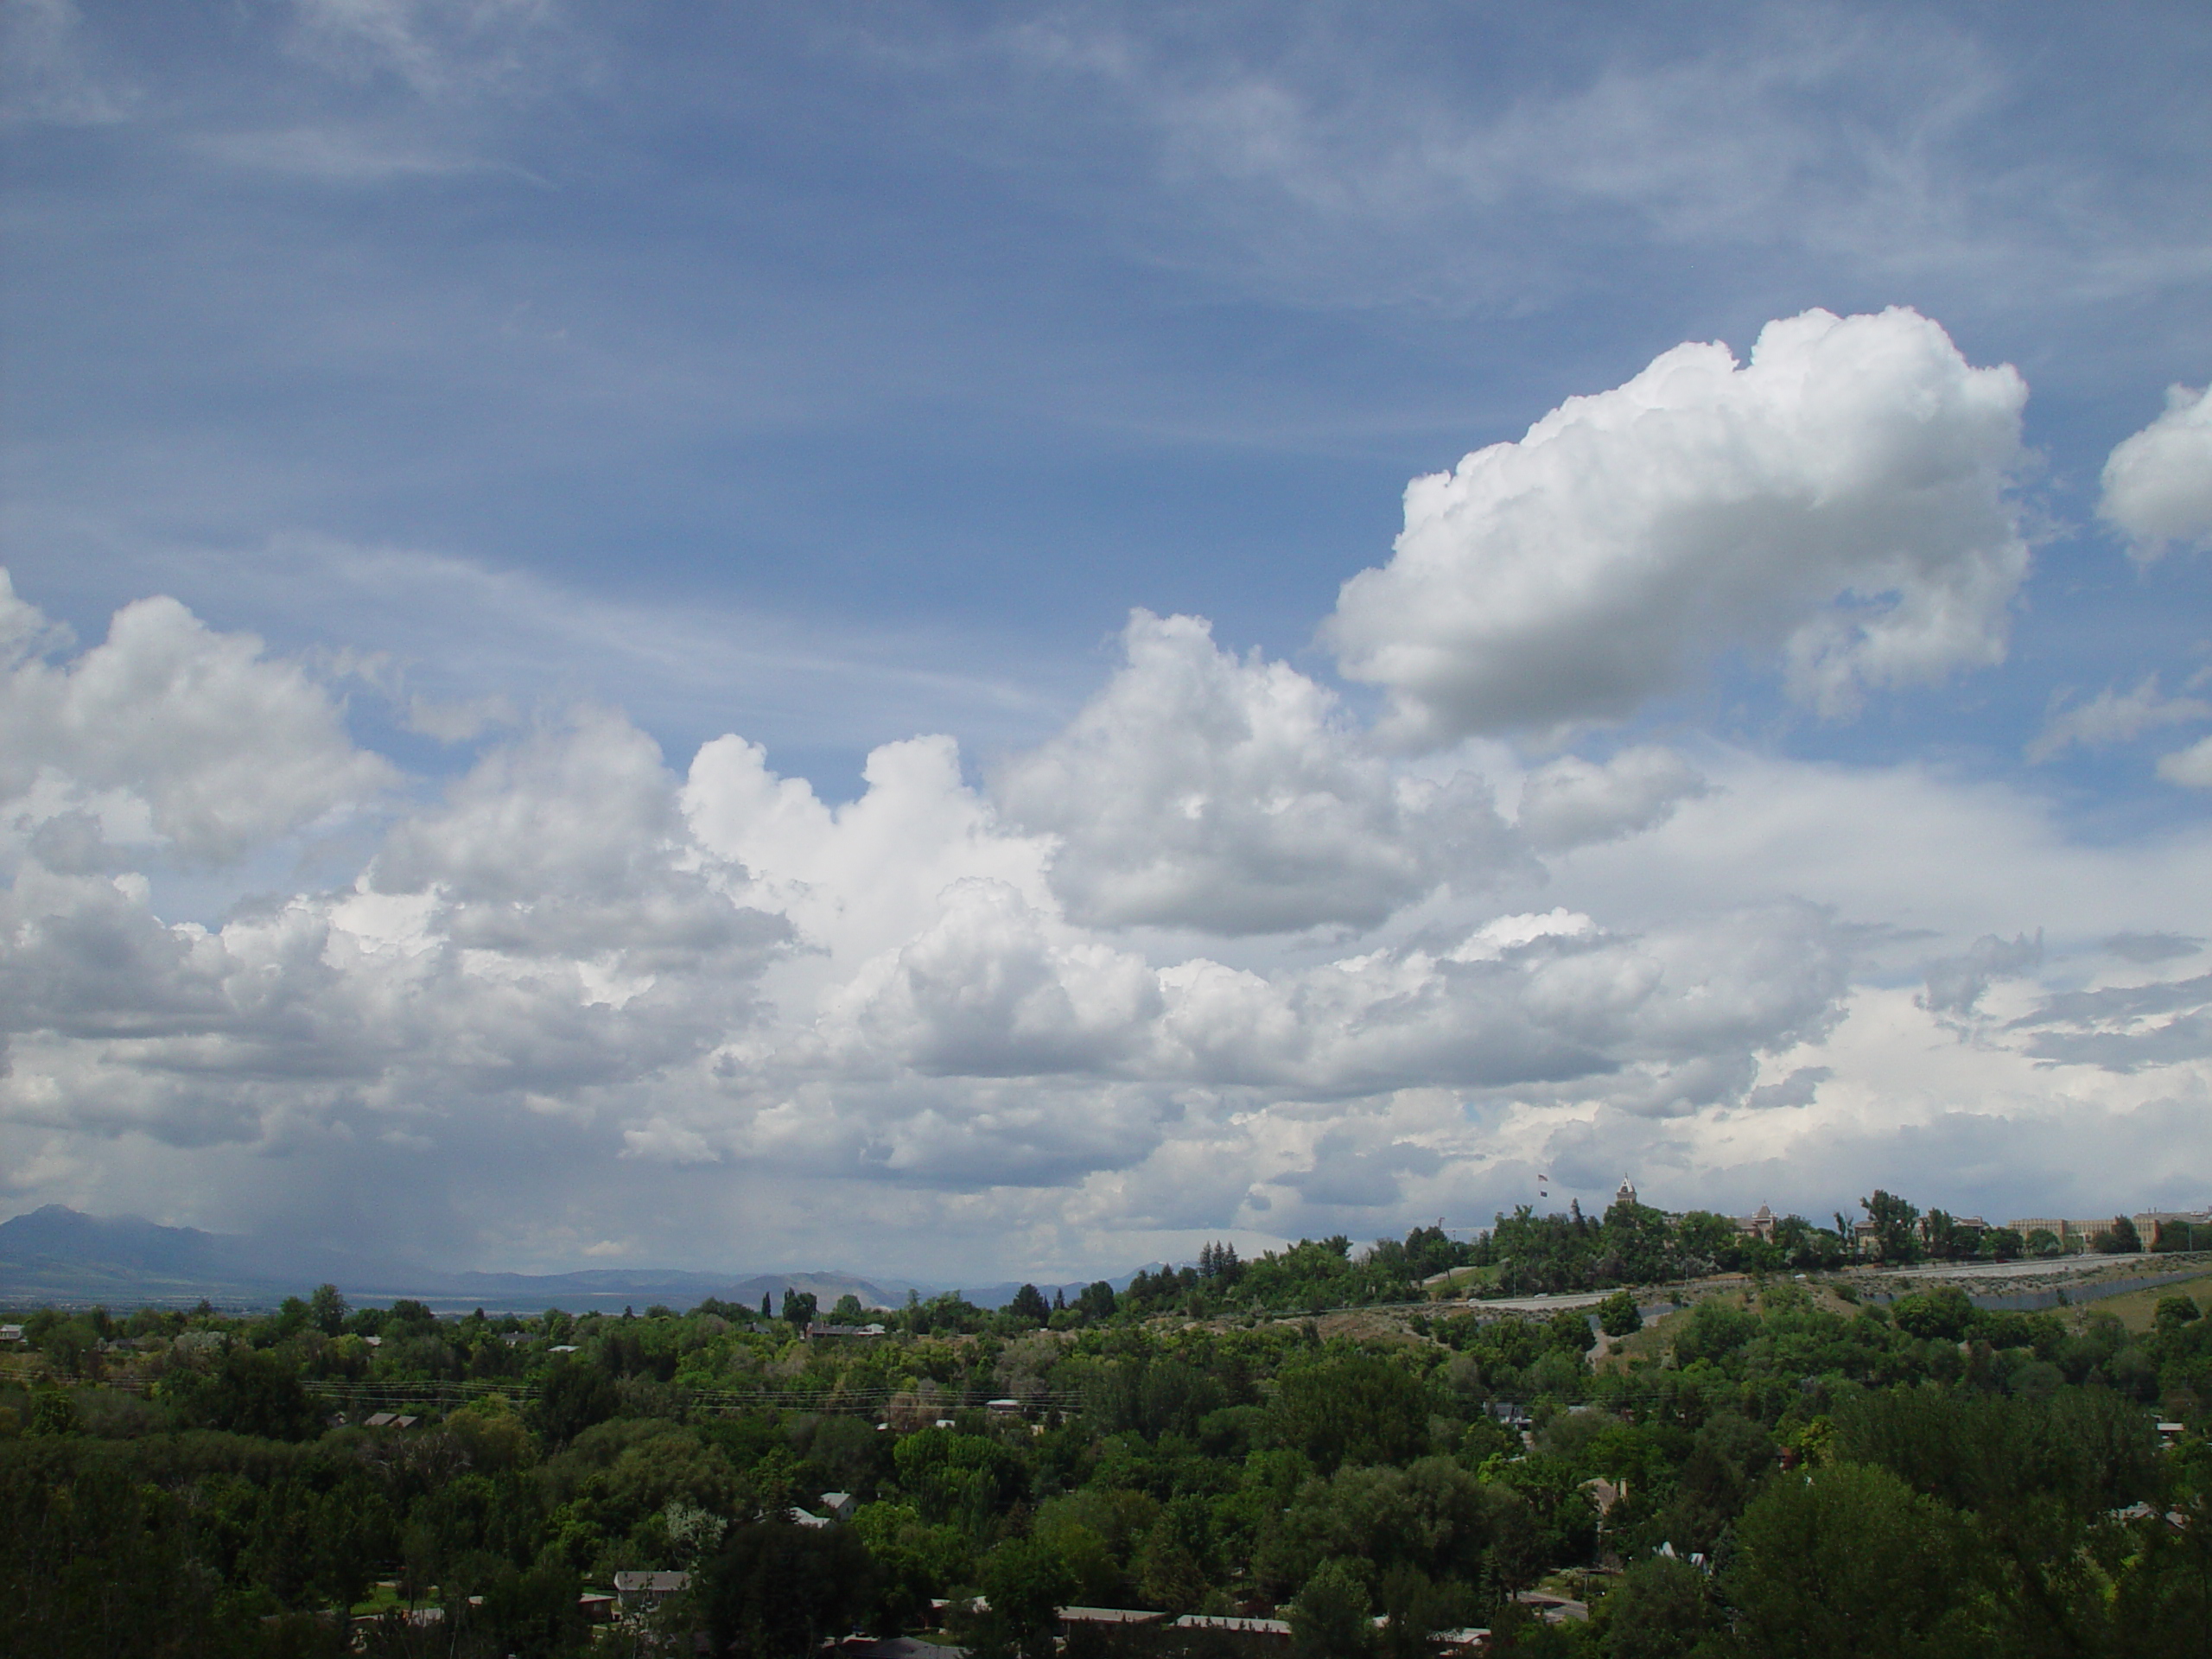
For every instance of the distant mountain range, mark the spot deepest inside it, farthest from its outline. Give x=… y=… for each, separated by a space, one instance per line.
x=62 y=1257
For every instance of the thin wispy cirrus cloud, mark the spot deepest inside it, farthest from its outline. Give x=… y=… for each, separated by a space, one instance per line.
x=991 y=642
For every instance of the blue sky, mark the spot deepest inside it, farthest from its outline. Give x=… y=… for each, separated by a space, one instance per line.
x=832 y=376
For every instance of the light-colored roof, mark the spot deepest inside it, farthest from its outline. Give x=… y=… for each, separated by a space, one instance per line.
x=1109 y=1615
x=663 y=1583
x=1226 y=1622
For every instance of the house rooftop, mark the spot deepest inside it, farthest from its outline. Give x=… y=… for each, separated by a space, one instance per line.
x=651 y=1583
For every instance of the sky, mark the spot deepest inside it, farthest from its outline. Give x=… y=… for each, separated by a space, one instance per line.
x=988 y=641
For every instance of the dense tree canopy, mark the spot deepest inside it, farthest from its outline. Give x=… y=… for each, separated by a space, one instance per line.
x=1777 y=1471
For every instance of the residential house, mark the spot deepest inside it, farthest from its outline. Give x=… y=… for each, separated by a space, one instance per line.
x=1470 y=1638
x=641 y=1593
x=1109 y=1618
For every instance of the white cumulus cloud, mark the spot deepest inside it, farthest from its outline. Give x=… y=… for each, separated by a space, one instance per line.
x=2157 y=484
x=1199 y=791
x=167 y=733
x=1841 y=496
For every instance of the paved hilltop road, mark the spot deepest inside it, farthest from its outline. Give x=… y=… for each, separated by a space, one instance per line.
x=2022 y=1268
x=2047 y=1273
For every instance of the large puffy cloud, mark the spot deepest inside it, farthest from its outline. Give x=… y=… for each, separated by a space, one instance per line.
x=1573 y=802
x=166 y=733
x=568 y=845
x=2157 y=484
x=997 y=989
x=946 y=1016
x=1199 y=791
x=1841 y=495
x=542 y=937
x=883 y=1008
x=860 y=878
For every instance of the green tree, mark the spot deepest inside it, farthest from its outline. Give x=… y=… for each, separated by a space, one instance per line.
x=954 y=1477
x=72 y=1346
x=327 y=1310
x=2121 y=1240
x=1638 y=1245
x=1353 y=1408
x=1570 y=1331
x=799 y=1307
x=53 y=1412
x=574 y=1398
x=1170 y=1564
x=1026 y=1584
x=1897 y=1230
x=1329 y=1619
x=1618 y=1315
x=2036 y=1475
x=94 y=1562
x=1947 y=1240
x=775 y=1589
x=1663 y=1609
x=2173 y=1314
x=247 y=1391
x=1847 y=1561
x=1709 y=1237
x=1941 y=1315
x=494 y=1607
x=1096 y=1302
x=1029 y=1305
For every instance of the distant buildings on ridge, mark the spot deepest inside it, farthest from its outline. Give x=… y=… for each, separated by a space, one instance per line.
x=2074 y=1235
